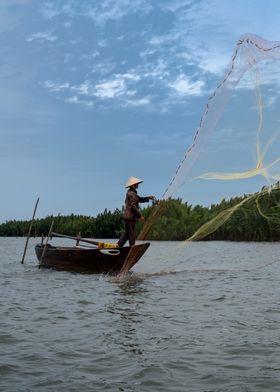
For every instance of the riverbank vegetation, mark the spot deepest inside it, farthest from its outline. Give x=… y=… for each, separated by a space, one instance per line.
x=178 y=221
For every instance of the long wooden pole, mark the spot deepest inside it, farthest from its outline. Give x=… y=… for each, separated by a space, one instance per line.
x=74 y=238
x=100 y=244
x=29 y=232
x=46 y=244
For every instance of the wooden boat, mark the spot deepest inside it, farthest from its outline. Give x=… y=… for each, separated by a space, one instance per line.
x=87 y=260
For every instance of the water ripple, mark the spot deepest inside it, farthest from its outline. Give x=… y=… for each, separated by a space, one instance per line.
x=187 y=319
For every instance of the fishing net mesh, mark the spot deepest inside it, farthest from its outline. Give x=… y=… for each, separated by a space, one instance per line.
x=237 y=138
x=238 y=133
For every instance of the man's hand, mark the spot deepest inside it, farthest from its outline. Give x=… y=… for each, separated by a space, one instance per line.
x=151 y=198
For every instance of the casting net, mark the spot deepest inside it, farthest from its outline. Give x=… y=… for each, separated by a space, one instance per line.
x=238 y=136
x=247 y=126
x=235 y=148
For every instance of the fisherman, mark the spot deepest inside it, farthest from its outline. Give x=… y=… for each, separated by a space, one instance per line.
x=131 y=211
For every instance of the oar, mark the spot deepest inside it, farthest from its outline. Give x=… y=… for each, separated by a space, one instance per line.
x=100 y=245
x=29 y=232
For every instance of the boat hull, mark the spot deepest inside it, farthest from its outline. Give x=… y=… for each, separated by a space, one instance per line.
x=95 y=261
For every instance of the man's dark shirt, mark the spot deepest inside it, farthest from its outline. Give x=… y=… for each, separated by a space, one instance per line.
x=132 y=200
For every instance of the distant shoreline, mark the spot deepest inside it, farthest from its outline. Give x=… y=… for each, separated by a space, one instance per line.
x=253 y=222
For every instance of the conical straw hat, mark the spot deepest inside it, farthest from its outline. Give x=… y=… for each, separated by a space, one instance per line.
x=133 y=181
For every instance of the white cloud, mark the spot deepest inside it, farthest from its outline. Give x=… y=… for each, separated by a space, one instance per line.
x=73 y=99
x=117 y=86
x=111 y=10
x=41 y=37
x=76 y=100
x=272 y=100
x=100 y=12
x=103 y=43
x=49 y=10
x=170 y=61
x=55 y=87
x=218 y=26
x=137 y=102
x=212 y=61
x=110 y=89
x=184 y=86
x=147 y=52
x=157 y=40
x=104 y=67
x=129 y=76
x=83 y=88
x=158 y=70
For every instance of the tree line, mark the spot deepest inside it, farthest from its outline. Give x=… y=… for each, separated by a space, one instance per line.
x=178 y=221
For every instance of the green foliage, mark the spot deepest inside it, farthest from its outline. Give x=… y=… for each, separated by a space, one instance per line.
x=105 y=225
x=178 y=221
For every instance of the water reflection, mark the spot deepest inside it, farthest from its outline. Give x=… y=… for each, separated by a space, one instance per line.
x=128 y=298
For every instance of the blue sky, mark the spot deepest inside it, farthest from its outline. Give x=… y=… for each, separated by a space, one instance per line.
x=93 y=92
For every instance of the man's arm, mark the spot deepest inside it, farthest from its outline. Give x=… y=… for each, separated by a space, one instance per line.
x=145 y=199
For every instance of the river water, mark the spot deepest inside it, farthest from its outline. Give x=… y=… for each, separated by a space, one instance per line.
x=201 y=318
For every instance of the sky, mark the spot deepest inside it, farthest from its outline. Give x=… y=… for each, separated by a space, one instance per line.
x=93 y=92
